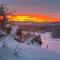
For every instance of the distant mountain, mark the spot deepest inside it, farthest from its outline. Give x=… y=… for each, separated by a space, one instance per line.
x=55 y=23
x=36 y=23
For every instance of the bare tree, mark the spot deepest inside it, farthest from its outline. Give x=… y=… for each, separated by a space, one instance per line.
x=4 y=11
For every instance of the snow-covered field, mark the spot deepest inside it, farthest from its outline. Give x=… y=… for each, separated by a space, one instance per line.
x=25 y=52
x=53 y=44
x=30 y=51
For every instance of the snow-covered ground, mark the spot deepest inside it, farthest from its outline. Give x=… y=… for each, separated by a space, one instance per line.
x=29 y=51
x=25 y=52
x=53 y=44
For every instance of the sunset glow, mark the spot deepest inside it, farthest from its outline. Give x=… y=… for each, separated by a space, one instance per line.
x=33 y=10
x=33 y=18
x=26 y=18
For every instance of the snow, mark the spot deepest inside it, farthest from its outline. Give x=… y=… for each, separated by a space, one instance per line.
x=53 y=44
x=27 y=51
x=13 y=32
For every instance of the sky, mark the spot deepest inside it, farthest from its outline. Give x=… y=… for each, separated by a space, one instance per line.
x=46 y=10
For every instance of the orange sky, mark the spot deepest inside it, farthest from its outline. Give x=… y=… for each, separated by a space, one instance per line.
x=35 y=18
x=34 y=10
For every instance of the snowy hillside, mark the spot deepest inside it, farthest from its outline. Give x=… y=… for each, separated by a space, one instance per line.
x=53 y=44
x=25 y=52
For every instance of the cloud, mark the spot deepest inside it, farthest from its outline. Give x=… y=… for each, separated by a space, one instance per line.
x=50 y=8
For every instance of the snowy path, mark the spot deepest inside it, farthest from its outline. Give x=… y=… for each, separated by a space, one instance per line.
x=53 y=44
